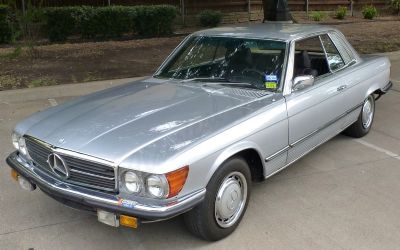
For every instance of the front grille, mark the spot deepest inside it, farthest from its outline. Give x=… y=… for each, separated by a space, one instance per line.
x=82 y=172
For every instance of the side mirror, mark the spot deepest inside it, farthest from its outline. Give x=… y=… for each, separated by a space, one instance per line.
x=302 y=82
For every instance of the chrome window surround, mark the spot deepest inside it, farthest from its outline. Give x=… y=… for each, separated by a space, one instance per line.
x=284 y=65
x=80 y=156
x=326 y=53
x=287 y=88
x=342 y=44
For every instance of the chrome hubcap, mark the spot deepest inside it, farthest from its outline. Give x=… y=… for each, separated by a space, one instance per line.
x=368 y=112
x=231 y=199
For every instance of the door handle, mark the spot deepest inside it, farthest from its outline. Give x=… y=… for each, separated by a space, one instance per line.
x=341 y=88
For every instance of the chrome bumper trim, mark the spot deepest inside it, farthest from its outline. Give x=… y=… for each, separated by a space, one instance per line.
x=98 y=199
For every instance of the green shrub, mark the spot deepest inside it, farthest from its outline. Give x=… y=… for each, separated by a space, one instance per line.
x=154 y=20
x=395 y=4
x=210 y=18
x=317 y=16
x=62 y=22
x=108 y=22
x=5 y=26
x=105 y=22
x=369 y=12
x=341 y=12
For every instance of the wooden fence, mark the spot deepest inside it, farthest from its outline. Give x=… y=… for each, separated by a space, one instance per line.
x=194 y=6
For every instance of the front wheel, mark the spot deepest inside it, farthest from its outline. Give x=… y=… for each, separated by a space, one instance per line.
x=225 y=202
x=364 y=122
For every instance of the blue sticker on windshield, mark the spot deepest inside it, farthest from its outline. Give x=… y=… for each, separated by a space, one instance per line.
x=271 y=82
x=271 y=78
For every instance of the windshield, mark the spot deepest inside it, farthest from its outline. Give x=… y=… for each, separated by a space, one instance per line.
x=245 y=62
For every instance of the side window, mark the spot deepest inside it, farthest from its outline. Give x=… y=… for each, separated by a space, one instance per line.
x=335 y=60
x=343 y=48
x=310 y=58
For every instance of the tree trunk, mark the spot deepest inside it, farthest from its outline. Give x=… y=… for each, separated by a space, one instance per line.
x=276 y=10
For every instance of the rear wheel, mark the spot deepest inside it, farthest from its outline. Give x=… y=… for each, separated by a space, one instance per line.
x=364 y=122
x=225 y=203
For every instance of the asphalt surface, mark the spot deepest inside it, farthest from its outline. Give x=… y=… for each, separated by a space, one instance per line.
x=343 y=195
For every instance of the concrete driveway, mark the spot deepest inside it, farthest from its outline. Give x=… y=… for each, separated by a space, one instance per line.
x=345 y=194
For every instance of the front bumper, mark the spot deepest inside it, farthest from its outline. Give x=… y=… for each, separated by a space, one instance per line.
x=87 y=199
x=387 y=87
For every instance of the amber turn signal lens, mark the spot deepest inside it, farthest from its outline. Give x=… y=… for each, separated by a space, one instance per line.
x=14 y=174
x=128 y=221
x=176 y=180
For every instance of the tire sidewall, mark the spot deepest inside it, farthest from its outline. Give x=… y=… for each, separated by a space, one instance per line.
x=366 y=130
x=232 y=165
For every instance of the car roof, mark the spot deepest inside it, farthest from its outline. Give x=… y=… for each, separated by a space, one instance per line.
x=277 y=31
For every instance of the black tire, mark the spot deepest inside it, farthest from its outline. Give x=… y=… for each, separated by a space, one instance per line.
x=201 y=220
x=358 y=128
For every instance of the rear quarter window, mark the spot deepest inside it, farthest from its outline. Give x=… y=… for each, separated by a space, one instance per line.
x=343 y=48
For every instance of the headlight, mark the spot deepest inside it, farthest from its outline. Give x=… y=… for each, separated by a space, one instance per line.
x=22 y=147
x=132 y=182
x=157 y=186
x=15 y=140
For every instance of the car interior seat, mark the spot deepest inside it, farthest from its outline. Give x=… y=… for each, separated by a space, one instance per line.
x=303 y=65
x=239 y=60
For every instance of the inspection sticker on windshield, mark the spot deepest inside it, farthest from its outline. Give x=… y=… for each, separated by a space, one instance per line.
x=271 y=82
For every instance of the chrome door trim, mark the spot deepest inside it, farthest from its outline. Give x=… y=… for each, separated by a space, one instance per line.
x=283 y=150
x=273 y=156
x=326 y=125
x=287 y=87
x=326 y=53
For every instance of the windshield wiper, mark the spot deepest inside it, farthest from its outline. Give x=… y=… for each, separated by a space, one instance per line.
x=206 y=79
x=220 y=81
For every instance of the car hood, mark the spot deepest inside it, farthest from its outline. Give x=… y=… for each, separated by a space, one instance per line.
x=115 y=123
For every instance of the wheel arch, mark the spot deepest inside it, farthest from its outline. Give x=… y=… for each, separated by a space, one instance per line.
x=249 y=152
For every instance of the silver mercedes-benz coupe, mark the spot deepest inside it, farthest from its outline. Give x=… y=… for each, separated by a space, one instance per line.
x=230 y=106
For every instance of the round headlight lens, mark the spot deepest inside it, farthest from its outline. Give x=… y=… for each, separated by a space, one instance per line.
x=132 y=182
x=157 y=186
x=15 y=140
x=22 y=146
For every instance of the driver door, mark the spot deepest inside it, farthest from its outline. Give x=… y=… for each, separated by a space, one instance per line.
x=314 y=112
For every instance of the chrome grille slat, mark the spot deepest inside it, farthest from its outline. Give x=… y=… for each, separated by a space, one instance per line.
x=82 y=172
x=92 y=175
x=93 y=181
x=89 y=167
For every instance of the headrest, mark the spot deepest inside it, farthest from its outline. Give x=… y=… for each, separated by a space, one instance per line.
x=303 y=60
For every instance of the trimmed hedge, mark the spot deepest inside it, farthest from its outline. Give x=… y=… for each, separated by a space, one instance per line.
x=109 y=22
x=210 y=18
x=61 y=22
x=5 y=27
x=105 y=22
x=154 y=20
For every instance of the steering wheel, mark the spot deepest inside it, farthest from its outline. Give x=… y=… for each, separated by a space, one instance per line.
x=249 y=70
x=256 y=76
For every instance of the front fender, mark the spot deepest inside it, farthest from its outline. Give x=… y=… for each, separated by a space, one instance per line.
x=231 y=151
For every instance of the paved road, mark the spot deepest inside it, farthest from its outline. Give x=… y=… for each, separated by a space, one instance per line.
x=345 y=194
